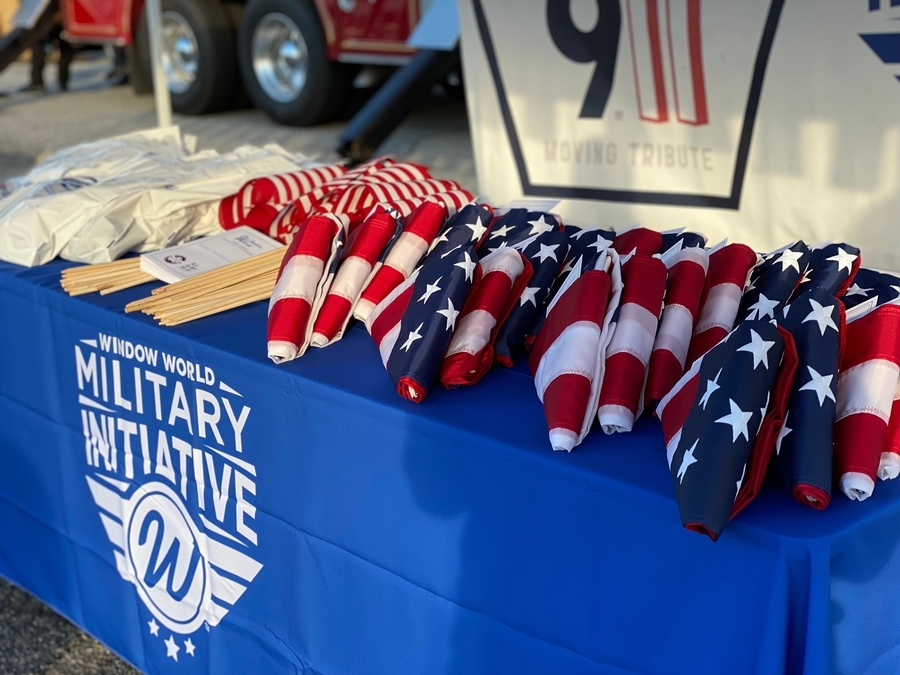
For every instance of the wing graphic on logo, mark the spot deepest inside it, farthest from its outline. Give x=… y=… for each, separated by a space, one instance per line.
x=224 y=572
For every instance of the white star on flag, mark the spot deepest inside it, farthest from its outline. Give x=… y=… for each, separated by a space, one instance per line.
x=501 y=231
x=601 y=244
x=896 y=288
x=547 y=252
x=711 y=387
x=189 y=647
x=478 y=229
x=450 y=251
x=820 y=384
x=787 y=308
x=154 y=627
x=686 y=461
x=529 y=295
x=437 y=241
x=856 y=290
x=737 y=419
x=540 y=225
x=430 y=289
x=759 y=348
x=762 y=411
x=782 y=434
x=843 y=259
x=821 y=315
x=172 y=649
x=468 y=265
x=450 y=313
x=413 y=336
x=790 y=258
x=582 y=231
x=763 y=307
x=740 y=481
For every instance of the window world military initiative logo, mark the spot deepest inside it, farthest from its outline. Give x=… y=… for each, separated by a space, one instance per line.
x=163 y=447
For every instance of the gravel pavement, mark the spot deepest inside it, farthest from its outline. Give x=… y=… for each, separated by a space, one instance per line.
x=34 y=639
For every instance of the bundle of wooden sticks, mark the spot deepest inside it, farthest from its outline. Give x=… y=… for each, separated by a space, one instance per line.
x=104 y=277
x=221 y=289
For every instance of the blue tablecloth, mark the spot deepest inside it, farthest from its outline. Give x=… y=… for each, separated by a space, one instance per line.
x=350 y=531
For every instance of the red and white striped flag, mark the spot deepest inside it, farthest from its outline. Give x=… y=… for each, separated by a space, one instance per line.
x=644 y=284
x=365 y=246
x=640 y=240
x=504 y=274
x=361 y=197
x=409 y=248
x=569 y=354
x=729 y=269
x=867 y=385
x=303 y=281
x=687 y=278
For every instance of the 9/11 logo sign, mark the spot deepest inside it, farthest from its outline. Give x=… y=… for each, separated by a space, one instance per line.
x=639 y=101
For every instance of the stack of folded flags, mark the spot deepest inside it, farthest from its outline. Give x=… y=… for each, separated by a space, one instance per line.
x=790 y=361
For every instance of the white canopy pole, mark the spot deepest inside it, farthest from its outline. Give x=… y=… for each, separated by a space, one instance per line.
x=160 y=85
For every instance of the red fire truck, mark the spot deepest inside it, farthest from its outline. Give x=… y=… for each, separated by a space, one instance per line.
x=296 y=59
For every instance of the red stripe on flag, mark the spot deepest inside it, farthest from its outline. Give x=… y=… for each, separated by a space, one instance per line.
x=564 y=402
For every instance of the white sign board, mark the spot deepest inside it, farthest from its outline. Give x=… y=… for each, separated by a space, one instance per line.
x=759 y=120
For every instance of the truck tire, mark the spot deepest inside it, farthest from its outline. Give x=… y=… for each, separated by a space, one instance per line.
x=284 y=64
x=198 y=54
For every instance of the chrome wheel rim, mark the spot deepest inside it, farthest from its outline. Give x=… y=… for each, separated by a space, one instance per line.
x=280 y=57
x=180 y=54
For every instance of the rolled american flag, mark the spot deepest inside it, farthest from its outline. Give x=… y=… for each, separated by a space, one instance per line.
x=304 y=278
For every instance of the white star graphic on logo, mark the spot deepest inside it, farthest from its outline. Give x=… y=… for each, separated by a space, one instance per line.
x=478 y=229
x=430 y=289
x=821 y=315
x=501 y=231
x=154 y=627
x=759 y=348
x=711 y=387
x=413 y=336
x=468 y=265
x=172 y=649
x=762 y=308
x=529 y=295
x=189 y=647
x=740 y=481
x=789 y=258
x=450 y=313
x=856 y=290
x=686 y=461
x=737 y=419
x=843 y=259
x=785 y=430
x=540 y=225
x=820 y=384
x=546 y=252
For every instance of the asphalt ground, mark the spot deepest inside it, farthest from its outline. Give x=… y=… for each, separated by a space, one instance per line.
x=33 y=638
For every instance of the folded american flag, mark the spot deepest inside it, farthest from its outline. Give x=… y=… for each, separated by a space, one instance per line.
x=628 y=354
x=504 y=273
x=729 y=267
x=582 y=241
x=413 y=325
x=517 y=225
x=805 y=443
x=773 y=281
x=719 y=423
x=867 y=385
x=364 y=249
x=546 y=252
x=687 y=269
x=569 y=354
x=831 y=267
x=303 y=281
x=406 y=252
